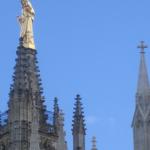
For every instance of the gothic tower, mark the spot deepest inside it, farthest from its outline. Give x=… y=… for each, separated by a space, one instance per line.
x=141 y=120
x=28 y=126
x=78 y=130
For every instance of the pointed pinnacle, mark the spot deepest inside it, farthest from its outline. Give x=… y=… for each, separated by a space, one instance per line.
x=56 y=107
x=78 y=118
x=143 y=81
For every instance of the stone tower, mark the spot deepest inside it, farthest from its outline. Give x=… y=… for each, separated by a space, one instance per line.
x=141 y=120
x=27 y=125
x=78 y=130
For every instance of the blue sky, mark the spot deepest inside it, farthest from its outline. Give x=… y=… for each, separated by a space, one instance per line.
x=85 y=47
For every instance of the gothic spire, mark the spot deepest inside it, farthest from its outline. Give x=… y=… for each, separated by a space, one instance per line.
x=143 y=81
x=58 y=118
x=78 y=118
x=61 y=144
x=94 y=143
x=25 y=89
x=140 y=123
x=27 y=116
x=78 y=130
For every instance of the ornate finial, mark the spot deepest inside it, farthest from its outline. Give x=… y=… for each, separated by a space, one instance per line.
x=78 y=118
x=26 y=23
x=142 y=46
x=78 y=97
x=94 y=143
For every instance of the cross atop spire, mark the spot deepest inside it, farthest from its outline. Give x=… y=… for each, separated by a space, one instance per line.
x=143 y=81
x=142 y=46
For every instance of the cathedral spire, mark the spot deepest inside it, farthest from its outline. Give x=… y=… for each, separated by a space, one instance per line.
x=78 y=118
x=61 y=144
x=79 y=129
x=26 y=91
x=140 y=123
x=143 y=81
x=94 y=143
x=29 y=125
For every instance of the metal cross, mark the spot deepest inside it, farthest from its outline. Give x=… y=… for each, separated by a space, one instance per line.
x=142 y=46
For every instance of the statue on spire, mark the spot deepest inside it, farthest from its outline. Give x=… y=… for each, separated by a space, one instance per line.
x=26 y=23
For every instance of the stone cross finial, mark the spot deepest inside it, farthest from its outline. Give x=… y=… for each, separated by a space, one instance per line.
x=142 y=46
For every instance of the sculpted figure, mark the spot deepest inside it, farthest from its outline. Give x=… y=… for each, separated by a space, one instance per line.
x=26 y=23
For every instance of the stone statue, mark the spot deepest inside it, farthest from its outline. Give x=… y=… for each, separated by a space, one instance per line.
x=26 y=23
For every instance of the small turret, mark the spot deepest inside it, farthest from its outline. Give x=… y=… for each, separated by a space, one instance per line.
x=94 y=143
x=59 y=126
x=79 y=130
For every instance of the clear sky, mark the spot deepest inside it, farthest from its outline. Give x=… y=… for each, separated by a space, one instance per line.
x=85 y=47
